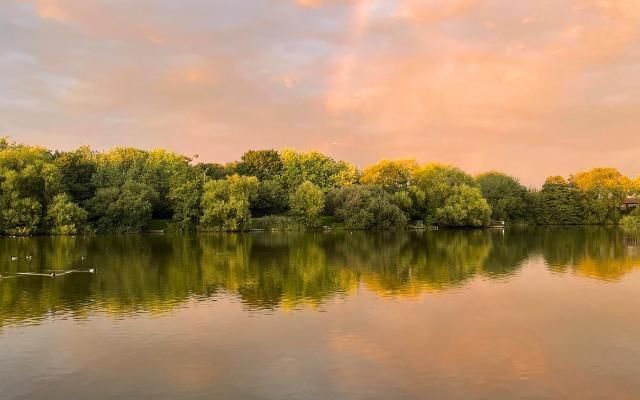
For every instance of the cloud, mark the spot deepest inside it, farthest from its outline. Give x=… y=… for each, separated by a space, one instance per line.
x=482 y=84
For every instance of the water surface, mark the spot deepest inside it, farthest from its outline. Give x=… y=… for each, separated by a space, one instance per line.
x=532 y=314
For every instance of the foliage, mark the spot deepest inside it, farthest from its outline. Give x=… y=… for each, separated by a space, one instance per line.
x=505 y=195
x=603 y=190
x=270 y=199
x=306 y=203
x=124 y=209
x=225 y=203
x=185 y=196
x=121 y=190
x=263 y=164
x=438 y=182
x=317 y=168
x=464 y=207
x=561 y=202
x=65 y=217
x=77 y=169
x=392 y=175
x=630 y=222
x=20 y=216
x=365 y=207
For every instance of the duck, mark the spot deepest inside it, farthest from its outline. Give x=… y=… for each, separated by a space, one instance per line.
x=14 y=258
x=29 y=258
x=92 y=270
x=53 y=274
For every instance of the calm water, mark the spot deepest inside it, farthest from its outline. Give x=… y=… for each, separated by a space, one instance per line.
x=533 y=314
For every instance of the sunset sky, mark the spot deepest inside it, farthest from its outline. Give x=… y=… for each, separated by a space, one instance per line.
x=533 y=88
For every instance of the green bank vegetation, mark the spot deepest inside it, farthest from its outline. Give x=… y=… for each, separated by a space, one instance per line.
x=129 y=190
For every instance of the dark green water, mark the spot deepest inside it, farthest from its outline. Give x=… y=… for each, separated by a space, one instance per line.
x=531 y=314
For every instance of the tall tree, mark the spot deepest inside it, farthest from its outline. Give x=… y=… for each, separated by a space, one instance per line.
x=225 y=203
x=438 y=182
x=263 y=164
x=561 y=202
x=391 y=175
x=317 y=168
x=464 y=207
x=506 y=196
x=604 y=190
x=307 y=203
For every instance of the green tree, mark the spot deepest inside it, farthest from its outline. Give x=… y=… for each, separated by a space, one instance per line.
x=603 y=191
x=306 y=203
x=464 y=207
x=20 y=216
x=263 y=164
x=77 y=169
x=319 y=169
x=65 y=217
x=271 y=199
x=125 y=209
x=185 y=197
x=561 y=202
x=225 y=203
x=392 y=175
x=438 y=182
x=505 y=195
x=365 y=207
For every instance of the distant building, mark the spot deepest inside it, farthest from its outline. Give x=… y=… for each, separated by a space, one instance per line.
x=630 y=203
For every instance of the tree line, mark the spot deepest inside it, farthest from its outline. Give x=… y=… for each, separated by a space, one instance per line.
x=128 y=190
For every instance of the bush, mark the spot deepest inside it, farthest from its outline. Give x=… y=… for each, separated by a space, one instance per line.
x=270 y=199
x=630 y=222
x=21 y=217
x=464 y=207
x=125 y=209
x=307 y=203
x=65 y=217
x=365 y=207
x=225 y=203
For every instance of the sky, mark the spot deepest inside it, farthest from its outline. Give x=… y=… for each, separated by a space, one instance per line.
x=533 y=88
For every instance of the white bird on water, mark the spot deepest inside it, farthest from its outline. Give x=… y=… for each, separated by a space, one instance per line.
x=14 y=258
x=28 y=258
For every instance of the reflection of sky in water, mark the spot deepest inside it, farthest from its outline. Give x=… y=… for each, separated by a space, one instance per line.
x=543 y=314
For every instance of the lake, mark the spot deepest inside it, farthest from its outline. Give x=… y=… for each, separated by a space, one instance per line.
x=549 y=313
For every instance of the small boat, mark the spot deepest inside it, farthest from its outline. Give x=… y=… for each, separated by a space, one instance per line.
x=497 y=225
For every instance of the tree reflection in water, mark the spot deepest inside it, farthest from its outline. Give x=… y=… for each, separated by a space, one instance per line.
x=147 y=273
